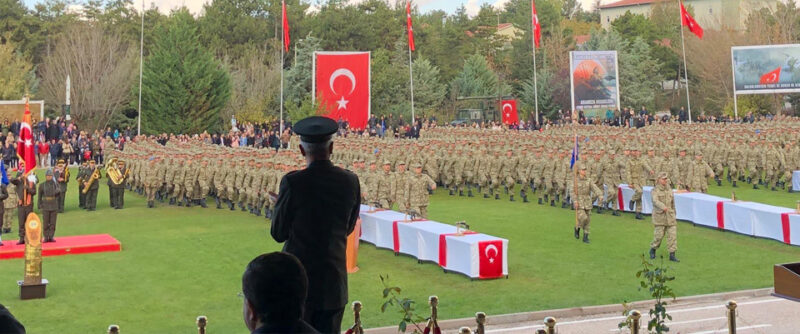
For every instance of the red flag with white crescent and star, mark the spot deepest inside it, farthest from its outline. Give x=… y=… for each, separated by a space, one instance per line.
x=25 y=143
x=771 y=77
x=342 y=86
x=509 y=110
x=409 y=27
x=490 y=255
x=537 y=28
x=285 y=19
x=688 y=20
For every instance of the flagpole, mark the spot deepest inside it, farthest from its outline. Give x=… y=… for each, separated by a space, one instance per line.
x=141 y=64
x=411 y=79
x=574 y=171
x=685 y=69
x=283 y=46
x=535 y=81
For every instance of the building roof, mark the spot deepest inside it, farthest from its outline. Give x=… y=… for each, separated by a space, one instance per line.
x=625 y=3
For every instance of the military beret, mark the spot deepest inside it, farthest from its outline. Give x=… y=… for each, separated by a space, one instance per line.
x=315 y=129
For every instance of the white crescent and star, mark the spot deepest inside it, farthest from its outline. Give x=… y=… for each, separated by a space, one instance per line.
x=508 y=114
x=491 y=257
x=773 y=77
x=342 y=103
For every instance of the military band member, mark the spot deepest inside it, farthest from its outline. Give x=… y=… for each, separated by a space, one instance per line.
x=62 y=176
x=116 y=192
x=93 y=185
x=81 y=177
x=48 y=204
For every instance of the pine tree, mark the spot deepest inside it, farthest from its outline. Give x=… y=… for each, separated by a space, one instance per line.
x=184 y=87
x=429 y=92
x=475 y=79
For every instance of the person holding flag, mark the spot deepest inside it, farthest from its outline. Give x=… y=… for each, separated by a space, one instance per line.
x=25 y=181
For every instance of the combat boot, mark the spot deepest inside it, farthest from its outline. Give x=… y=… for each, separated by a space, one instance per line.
x=6 y=230
x=258 y=212
x=179 y=201
x=21 y=241
x=546 y=198
x=773 y=189
x=485 y=195
x=599 y=210
x=749 y=180
x=673 y=258
x=452 y=192
x=564 y=204
x=540 y=201
x=230 y=205
x=755 y=186
x=172 y=201
x=505 y=190
x=511 y=198
x=577 y=233
x=216 y=200
x=652 y=253
x=585 y=237
x=460 y=193
x=615 y=213
x=734 y=184
x=203 y=203
x=188 y=202
x=496 y=196
x=268 y=214
x=525 y=199
x=479 y=188
x=719 y=183
x=149 y=204
x=639 y=216
x=469 y=193
x=552 y=203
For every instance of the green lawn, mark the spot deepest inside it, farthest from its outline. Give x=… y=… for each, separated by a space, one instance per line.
x=179 y=263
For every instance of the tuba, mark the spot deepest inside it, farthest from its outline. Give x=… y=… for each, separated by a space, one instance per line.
x=113 y=172
x=94 y=177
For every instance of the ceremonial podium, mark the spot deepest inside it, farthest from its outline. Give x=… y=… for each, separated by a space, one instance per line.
x=787 y=280
x=352 y=248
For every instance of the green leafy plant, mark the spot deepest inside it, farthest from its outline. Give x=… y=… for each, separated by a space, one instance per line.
x=391 y=297
x=655 y=279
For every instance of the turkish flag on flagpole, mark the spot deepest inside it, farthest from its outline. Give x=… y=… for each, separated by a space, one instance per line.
x=688 y=20
x=409 y=26
x=537 y=28
x=342 y=86
x=771 y=77
x=286 y=39
x=25 y=143
x=509 y=110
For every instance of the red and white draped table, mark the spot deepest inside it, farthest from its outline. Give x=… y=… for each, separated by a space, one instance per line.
x=475 y=255
x=749 y=218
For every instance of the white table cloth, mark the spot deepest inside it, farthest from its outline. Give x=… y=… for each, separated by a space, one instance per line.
x=625 y=193
x=796 y=180
x=473 y=254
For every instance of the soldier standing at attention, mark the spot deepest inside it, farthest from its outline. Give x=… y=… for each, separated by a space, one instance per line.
x=636 y=176
x=9 y=205
x=664 y=218
x=399 y=185
x=151 y=182
x=583 y=195
x=383 y=187
x=25 y=190
x=416 y=190
x=48 y=204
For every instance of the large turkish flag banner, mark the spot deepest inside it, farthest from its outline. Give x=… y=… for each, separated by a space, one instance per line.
x=490 y=254
x=342 y=86
x=509 y=108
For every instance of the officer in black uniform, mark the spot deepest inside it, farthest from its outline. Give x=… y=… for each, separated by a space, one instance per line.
x=315 y=210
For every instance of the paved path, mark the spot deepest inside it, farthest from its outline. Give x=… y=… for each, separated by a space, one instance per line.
x=764 y=314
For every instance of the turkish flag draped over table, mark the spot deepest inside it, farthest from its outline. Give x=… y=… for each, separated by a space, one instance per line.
x=509 y=109
x=410 y=27
x=771 y=77
x=25 y=143
x=285 y=20
x=688 y=20
x=537 y=28
x=490 y=258
x=342 y=86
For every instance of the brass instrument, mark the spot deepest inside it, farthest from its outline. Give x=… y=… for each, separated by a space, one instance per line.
x=113 y=172
x=94 y=177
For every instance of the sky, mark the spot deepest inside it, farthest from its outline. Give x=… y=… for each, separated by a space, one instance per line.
x=449 y=6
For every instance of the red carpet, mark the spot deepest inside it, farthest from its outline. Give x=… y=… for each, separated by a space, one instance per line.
x=81 y=244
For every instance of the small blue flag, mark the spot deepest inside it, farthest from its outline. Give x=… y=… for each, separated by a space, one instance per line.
x=575 y=153
x=5 y=175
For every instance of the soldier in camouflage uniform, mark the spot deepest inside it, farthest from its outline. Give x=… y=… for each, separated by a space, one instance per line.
x=399 y=179
x=416 y=191
x=383 y=186
x=664 y=218
x=637 y=169
x=508 y=172
x=202 y=184
x=584 y=194
x=699 y=172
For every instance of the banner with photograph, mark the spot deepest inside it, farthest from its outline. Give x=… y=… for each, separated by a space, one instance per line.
x=766 y=69
x=594 y=80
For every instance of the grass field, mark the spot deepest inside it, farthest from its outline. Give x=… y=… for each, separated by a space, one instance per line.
x=179 y=263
